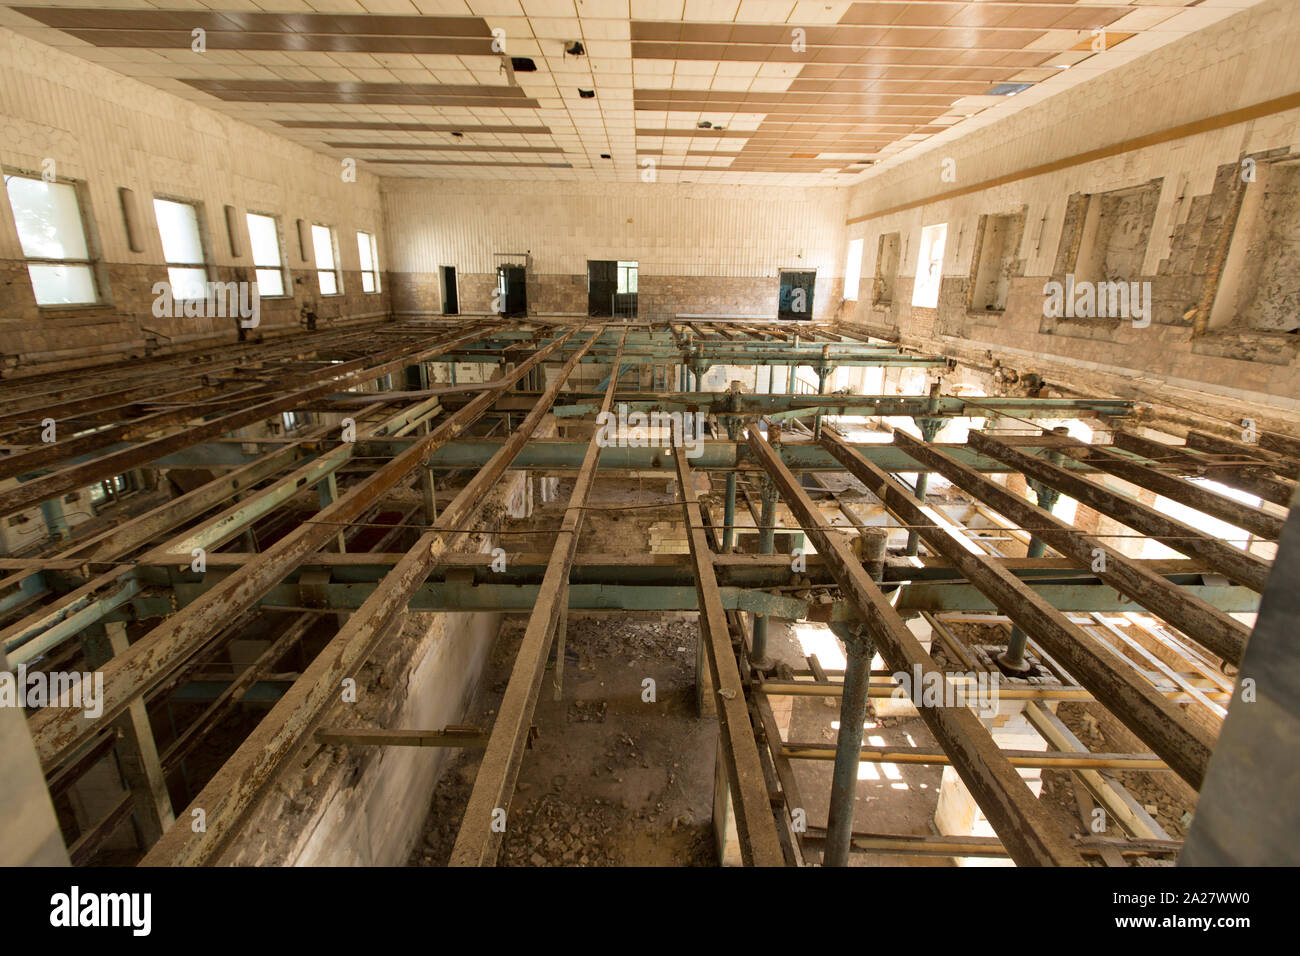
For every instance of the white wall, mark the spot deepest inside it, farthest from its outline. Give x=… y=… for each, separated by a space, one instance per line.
x=669 y=229
x=1239 y=62
x=111 y=131
x=1245 y=60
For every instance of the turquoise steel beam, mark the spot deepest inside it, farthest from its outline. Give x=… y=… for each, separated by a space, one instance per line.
x=560 y=454
x=95 y=612
x=914 y=598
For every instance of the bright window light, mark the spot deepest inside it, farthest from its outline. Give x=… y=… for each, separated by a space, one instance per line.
x=50 y=230
x=264 y=236
x=322 y=240
x=369 y=262
x=178 y=225
x=627 y=278
x=929 y=266
x=853 y=270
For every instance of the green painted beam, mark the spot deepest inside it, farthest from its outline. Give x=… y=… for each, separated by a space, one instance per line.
x=464 y=597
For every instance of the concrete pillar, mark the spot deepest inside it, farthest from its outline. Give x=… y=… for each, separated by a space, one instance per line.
x=29 y=829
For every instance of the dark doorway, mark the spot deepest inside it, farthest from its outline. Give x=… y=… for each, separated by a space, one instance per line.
x=796 y=298
x=602 y=284
x=512 y=290
x=450 y=299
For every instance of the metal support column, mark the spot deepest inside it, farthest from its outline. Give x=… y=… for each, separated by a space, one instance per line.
x=823 y=373
x=1014 y=658
x=766 y=545
x=729 y=508
x=929 y=428
x=859 y=648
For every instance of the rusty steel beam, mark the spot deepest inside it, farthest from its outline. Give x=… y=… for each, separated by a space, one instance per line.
x=1233 y=562
x=1177 y=489
x=478 y=840
x=1198 y=619
x=935 y=757
x=1250 y=453
x=70 y=397
x=241 y=781
x=1283 y=445
x=128 y=535
x=457 y=737
x=58 y=732
x=1181 y=742
x=328 y=380
x=1255 y=480
x=755 y=822
x=1026 y=828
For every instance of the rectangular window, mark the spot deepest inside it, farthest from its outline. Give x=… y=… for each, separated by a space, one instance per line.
x=112 y=488
x=53 y=238
x=929 y=266
x=268 y=265
x=369 y=262
x=182 y=241
x=627 y=278
x=327 y=269
x=853 y=270
x=293 y=420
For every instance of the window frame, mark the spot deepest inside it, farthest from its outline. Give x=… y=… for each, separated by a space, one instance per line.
x=205 y=247
x=373 y=271
x=628 y=274
x=90 y=239
x=334 y=256
x=286 y=280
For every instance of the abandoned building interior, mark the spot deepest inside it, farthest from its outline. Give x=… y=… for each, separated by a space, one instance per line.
x=650 y=433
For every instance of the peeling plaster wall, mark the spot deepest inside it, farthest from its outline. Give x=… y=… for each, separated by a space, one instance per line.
x=366 y=806
x=1225 y=369
x=106 y=132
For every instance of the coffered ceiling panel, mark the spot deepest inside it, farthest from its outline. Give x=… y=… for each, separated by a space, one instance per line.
x=728 y=91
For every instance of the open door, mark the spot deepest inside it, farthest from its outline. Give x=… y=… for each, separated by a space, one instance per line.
x=602 y=285
x=450 y=297
x=512 y=290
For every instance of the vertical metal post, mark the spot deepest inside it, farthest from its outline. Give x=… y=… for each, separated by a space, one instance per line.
x=429 y=492
x=136 y=749
x=1014 y=658
x=55 y=523
x=729 y=507
x=327 y=492
x=859 y=649
x=823 y=373
x=766 y=545
x=561 y=632
x=929 y=428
